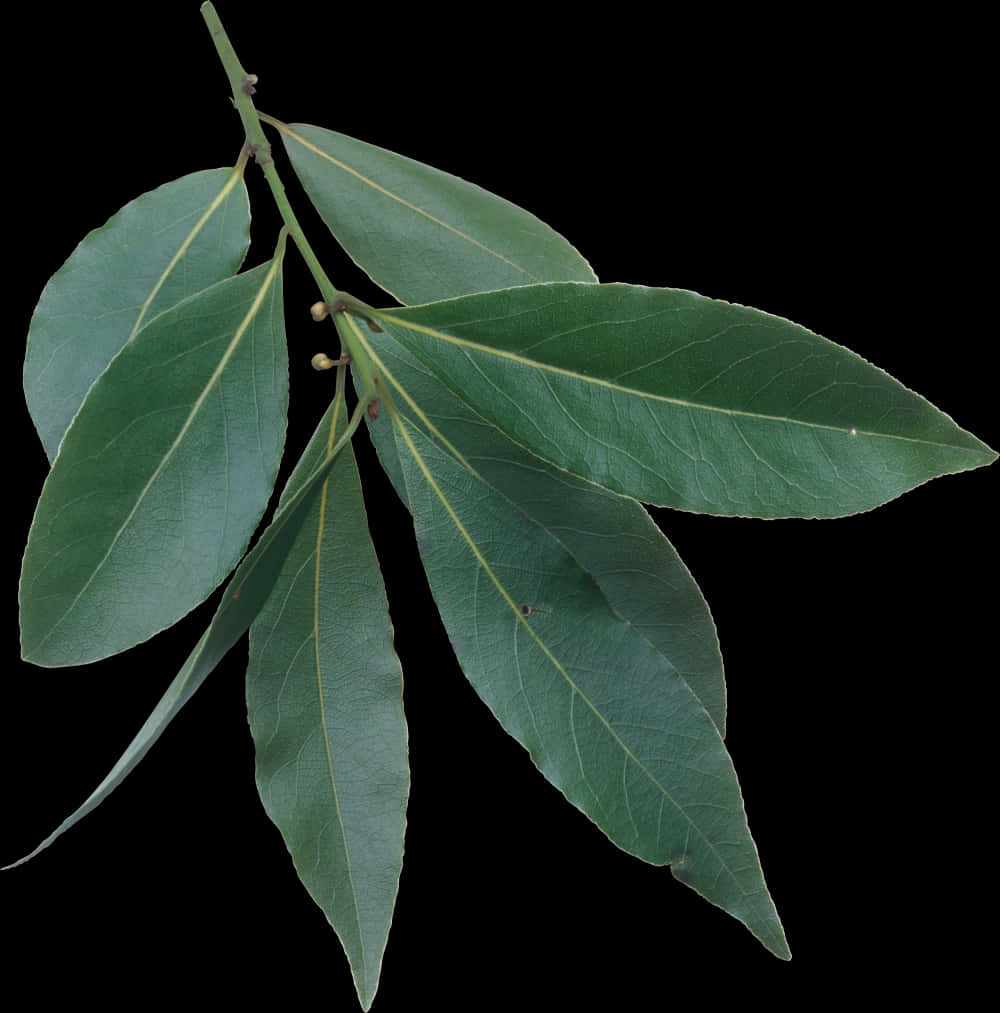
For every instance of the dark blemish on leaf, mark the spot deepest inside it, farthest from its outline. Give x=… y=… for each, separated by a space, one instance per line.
x=374 y=407
x=526 y=610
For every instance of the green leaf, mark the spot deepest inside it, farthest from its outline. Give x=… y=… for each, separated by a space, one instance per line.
x=325 y=702
x=603 y=715
x=612 y=537
x=245 y=594
x=158 y=249
x=684 y=401
x=418 y=232
x=162 y=476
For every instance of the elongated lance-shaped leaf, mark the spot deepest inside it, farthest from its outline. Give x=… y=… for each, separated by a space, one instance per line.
x=160 y=248
x=324 y=697
x=162 y=476
x=612 y=537
x=620 y=545
x=685 y=401
x=418 y=232
x=373 y=200
x=603 y=715
x=246 y=592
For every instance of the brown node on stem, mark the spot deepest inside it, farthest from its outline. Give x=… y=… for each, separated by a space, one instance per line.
x=248 y=84
x=343 y=306
x=256 y=149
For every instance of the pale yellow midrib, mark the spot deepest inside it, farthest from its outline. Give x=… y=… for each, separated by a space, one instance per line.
x=641 y=394
x=394 y=196
x=235 y=177
x=383 y=371
x=322 y=700
x=188 y=422
x=422 y=465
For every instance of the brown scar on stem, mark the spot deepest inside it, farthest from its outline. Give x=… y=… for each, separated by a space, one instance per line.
x=248 y=84
x=256 y=149
x=343 y=306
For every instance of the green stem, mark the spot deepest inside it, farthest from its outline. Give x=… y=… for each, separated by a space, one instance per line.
x=350 y=330
x=359 y=413
x=242 y=85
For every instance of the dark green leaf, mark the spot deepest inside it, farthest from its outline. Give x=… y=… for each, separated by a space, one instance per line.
x=158 y=249
x=162 y=476
x=325 y=701
x=420 y=233
x=611 y=537
x=246 y=593
x=684 y=401
x=603 y=715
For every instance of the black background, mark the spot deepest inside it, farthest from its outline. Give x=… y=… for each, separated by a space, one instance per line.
x=830 y=172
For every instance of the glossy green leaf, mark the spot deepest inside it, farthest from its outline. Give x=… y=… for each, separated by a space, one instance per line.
x=685 y=401
x=325 y=701
x=160 y=248
x=611 y=537
x=421 y=233
x=162 y=476
x=246 y=592
x=603 y=715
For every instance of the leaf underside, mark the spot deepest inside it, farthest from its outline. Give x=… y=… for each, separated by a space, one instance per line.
x=418 y=232
x=621 y=549
x=616 y=550
x=612 y=537
x=324 y=698
x=160 y=248
x=603 y=715
x=535 y=408
x=162 y=477
x=406 y=216
x=684 y=401
x=247 y=591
